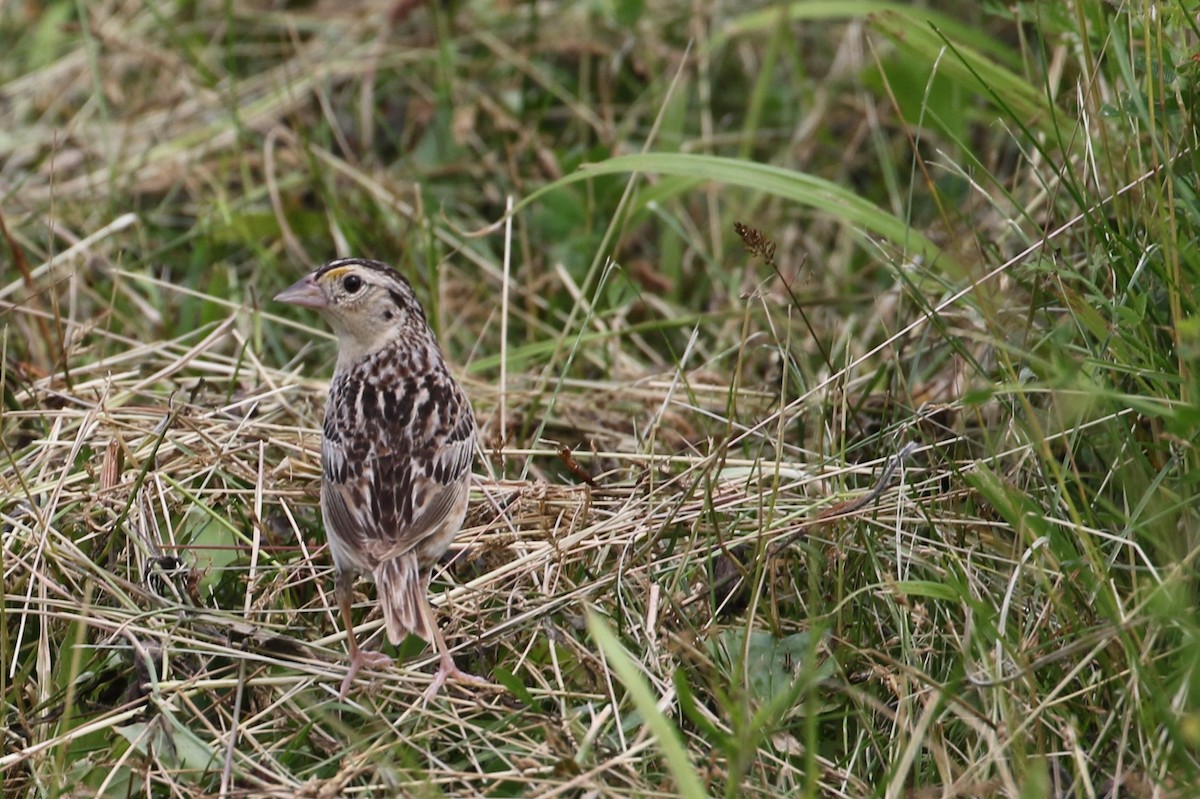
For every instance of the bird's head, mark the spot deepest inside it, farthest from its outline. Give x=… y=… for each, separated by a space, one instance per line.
x=367 y=303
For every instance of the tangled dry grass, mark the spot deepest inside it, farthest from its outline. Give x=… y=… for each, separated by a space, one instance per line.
x=166 y=540
x=968 y=235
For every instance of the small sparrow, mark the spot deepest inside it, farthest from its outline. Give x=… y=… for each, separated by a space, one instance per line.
x=396 y=454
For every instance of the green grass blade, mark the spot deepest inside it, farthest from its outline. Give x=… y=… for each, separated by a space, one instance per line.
x=669 y=740
x=804 y=189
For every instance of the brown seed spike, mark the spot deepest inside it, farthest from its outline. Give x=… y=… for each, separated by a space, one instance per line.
x=568 y=459
x=755 y=242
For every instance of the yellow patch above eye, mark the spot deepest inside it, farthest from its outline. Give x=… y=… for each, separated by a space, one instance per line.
x=335 y=274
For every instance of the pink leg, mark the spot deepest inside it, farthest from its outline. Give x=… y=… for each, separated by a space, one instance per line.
x=447 y=670
x=358 y=657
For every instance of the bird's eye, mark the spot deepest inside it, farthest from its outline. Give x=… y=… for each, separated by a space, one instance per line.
x=352 y=283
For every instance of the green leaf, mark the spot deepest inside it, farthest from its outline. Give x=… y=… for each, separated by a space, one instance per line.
x=514 y=685
x=768 y=20
x=668 y=738
x=807 y=190
x=691 y=711
x=969 y=68
x=628 y=12
x=928 y=588
x=775 y=666
x=172 y=744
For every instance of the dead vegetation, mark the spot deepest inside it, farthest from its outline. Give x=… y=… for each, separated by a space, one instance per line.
x=684 y=382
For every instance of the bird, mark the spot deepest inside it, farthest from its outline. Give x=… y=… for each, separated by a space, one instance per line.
x=396 y=452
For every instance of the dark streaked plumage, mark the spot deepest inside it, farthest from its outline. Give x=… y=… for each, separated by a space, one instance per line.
x=399 y=437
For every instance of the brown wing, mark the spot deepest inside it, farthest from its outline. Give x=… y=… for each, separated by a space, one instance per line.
x=392 y=482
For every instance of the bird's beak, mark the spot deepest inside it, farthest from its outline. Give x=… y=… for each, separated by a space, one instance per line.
x=305 y=293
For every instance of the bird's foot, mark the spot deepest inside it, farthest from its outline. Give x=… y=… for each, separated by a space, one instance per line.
x=447 y=670
x=358 y=659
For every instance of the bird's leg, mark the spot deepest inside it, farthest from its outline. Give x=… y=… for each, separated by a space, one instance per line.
x=447 y=669
x=358 y=657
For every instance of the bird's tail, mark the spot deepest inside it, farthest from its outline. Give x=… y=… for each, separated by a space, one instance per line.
x=402 y=595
